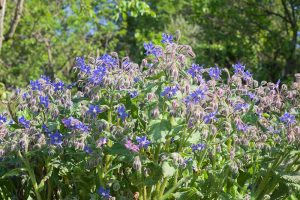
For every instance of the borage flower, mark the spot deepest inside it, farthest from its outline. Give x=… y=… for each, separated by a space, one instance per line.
x=195 y=96
x=143 y=142
x=56 y=138
x=167 y=39
x=288 y=118
x=2 y=119
x=198 y=147
x=44 y=100
x=58 y=86
x=122 y=112
x=25 y=123
x=169 y=91
x=75 y=124
x=104 y=193
x=94 y=110
x=195 y=70
x=131 y=146
x=215 y=73
x=210 y=117
x=35 y=85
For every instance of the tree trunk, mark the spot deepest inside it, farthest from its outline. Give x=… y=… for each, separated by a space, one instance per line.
x=2 y=14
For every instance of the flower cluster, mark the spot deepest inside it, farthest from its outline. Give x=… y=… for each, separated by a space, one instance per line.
x=169 y=125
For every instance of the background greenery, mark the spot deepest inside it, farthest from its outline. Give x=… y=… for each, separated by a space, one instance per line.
x=44 y=37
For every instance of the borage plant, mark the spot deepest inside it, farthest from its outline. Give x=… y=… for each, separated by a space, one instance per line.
x=165 y=129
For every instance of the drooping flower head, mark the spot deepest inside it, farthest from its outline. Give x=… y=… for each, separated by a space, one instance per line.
x=101 y=142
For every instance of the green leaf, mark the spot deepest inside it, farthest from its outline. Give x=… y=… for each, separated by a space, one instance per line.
x=167 y=169
x=159 y=130
x=188 y=194
x=13 y=172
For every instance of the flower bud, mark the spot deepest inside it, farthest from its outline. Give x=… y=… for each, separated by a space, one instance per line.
x=137 y=165
x=155 y=113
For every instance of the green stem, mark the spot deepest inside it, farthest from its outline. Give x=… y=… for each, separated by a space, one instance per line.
x=162 y=188
x=31 y=176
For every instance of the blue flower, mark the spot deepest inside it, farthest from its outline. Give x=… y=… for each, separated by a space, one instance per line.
x=195 y=96
x=46 y=79
x=25 y=123
x=75 y=124
x=288 y=119
x=98 y=74
x=241 y=127
x=105 y=193
x=58 y=86
x=94 y=110
x=198 y=147
x=122 y=112
x=238 y=68
x=108 y=61
x=169 y=91
x=82 y=66
x=46 y=129
x=241 y=106
x=167 y=38
x=35 y=85
x=2 y=119
x=210 y=117
x=247 y=75
x=44 y=100
x=87 y=149
x=56 y=138
x=215 y=72
x=143 y=142
x=133 y=94
x=195 y=70
x=151 y=49
x=277 y=84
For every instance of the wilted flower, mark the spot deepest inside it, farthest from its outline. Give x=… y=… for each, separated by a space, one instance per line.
x=101 y=142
